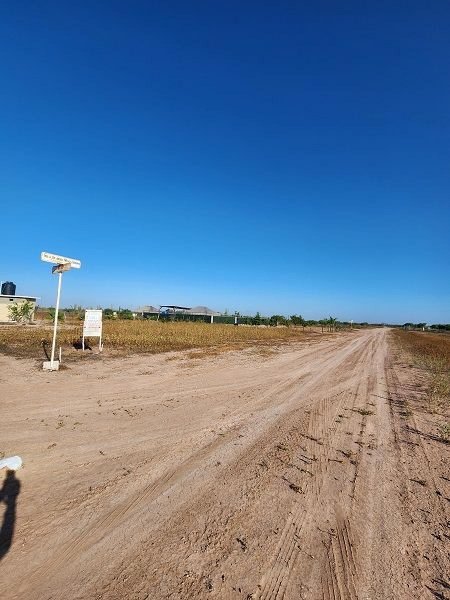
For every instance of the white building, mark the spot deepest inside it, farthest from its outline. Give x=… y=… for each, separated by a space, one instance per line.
x=7 y=300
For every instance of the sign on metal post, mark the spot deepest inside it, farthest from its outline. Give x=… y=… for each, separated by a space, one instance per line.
x=92 y=326
x=61 y=268
x=63 y=264
x=60 y=260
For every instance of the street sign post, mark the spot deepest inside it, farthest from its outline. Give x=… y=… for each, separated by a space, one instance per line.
x=60 y=260
x=63 y=264
x=61 y=268
x=92 y=326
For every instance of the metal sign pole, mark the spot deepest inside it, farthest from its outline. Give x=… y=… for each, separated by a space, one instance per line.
x=55 y=326
x=62 y=264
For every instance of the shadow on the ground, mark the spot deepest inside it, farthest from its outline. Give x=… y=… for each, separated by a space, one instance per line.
x=8 y=494
x=78 y=345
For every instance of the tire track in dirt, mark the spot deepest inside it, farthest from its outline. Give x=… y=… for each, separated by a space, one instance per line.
x=322 y=425
x=407 y=432
x=428 y=509
x=340 y=567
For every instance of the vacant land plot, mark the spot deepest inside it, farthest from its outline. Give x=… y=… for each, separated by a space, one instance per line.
x=143 y=336
x=314 y=471
x=429 y=354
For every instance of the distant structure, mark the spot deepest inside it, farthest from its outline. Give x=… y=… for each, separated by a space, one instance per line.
x=148 y=311
x=202 y=310
x=172 y=311
x=9 y=297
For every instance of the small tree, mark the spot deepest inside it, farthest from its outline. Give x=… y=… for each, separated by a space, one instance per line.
x=21 y=312
x=323 y=322
x=298 y=320
x=302 y=322
x=332 y=323
x=52 y=313
x=256 y=319
x=125 y=314
x=276 y=320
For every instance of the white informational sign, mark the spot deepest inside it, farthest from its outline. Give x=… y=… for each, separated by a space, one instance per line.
x=92 y=326
x=60 y=260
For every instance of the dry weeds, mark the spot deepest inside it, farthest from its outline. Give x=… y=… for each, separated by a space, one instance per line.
x=147 y=337
x=431 y=352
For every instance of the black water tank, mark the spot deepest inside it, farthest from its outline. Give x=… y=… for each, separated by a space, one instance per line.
x=8 y=288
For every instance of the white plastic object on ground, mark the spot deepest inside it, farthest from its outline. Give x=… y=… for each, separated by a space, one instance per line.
x=13 y=463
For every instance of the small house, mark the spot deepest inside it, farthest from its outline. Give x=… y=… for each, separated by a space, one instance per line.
x=7 y=300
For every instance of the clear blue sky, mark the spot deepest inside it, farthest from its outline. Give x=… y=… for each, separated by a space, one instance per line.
x=274 y=156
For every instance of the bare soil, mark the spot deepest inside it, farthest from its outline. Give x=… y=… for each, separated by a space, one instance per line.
x=306 y=472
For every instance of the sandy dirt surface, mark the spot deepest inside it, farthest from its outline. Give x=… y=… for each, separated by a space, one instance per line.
x=290 y=474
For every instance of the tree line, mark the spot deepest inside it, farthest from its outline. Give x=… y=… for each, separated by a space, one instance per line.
x=329 y=324
x=435 y=327
x=23 y=311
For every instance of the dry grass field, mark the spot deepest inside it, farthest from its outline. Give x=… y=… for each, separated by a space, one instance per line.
x=426 y=344
x=430 y=353
x=145 y=336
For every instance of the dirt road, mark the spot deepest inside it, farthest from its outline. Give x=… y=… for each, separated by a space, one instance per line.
x=247 y=475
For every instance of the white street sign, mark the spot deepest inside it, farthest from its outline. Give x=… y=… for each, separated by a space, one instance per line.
x=60 y=260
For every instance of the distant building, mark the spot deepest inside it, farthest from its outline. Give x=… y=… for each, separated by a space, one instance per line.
x=171 y=311
x=147 y=312
x=7 y=300
x=184 y=313
x=202 y=310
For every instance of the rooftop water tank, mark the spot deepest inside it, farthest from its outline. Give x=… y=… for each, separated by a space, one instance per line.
x=8 y=288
